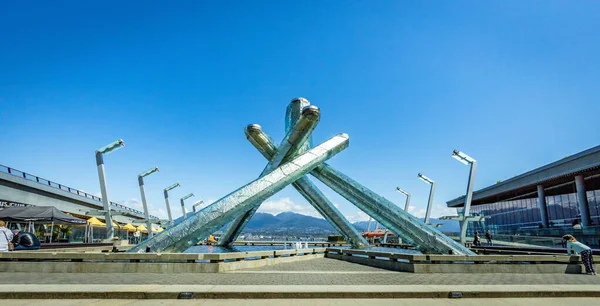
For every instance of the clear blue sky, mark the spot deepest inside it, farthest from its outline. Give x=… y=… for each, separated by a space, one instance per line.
x=512 y=83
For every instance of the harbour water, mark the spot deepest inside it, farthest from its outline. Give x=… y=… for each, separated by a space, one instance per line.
x=254 y=248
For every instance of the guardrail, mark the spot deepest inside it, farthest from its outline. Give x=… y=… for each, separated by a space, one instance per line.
x=153 y=257
x=43 y=181
x=458 y=259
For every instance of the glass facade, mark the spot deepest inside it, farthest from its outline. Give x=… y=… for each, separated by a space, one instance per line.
x=507 y=217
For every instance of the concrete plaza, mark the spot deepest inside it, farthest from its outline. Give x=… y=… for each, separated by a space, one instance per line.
x=319 y=281
x=320 y=271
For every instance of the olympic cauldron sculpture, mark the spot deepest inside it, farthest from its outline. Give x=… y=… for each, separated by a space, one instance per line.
x=288 y=164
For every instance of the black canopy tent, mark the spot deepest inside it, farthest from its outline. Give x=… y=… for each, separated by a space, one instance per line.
x=38 y=214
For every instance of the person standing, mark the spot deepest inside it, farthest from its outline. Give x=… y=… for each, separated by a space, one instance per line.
x=476 y=241
x=488 y=237
x=583 y=250
x=6 y=237
x=136 y=237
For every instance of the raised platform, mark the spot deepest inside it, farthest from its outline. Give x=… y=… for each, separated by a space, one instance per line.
x=72 y=262
x=69 y=262
x=514 y=264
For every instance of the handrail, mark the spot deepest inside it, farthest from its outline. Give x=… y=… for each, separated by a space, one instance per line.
x=43 y=181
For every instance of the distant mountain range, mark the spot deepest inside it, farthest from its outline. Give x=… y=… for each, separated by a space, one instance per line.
x=293 y=224
x=447 y=226
x=288 y=224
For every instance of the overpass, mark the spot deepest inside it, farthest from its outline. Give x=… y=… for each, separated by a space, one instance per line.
x=23 y=188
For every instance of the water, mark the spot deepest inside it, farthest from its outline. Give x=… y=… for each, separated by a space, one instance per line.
x=255 y=248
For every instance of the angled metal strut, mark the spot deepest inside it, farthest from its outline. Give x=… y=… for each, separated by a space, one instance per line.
x=197 y=227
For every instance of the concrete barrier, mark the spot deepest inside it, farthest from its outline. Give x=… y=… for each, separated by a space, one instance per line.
x=64 y=262
x=418 y=263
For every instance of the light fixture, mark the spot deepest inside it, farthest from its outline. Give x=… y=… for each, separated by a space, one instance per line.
x=425 y=179
x=402 y=191
x=467 y=160
x=187 y=196
x=197 y=204
x=462 y=157
x=431 y=191
x=166 y=193
x=111 y=147
x=143 y=193
x=148 y=172
x=183 y=205
x=172 y=187
x=407 y=198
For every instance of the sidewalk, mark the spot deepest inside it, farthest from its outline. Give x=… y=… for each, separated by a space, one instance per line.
x=316 y=302
x=36 y=291
x=321 y=278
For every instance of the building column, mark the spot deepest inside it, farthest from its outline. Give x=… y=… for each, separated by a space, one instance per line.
x=542 y=205
x=584 y=207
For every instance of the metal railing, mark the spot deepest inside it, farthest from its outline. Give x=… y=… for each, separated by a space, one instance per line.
x=43 y=181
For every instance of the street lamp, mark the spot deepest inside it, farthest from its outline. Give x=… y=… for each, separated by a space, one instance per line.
x=407 y=198
x=430 y=202
x=166 y=192
x=146 y=213
x=467 y=160
x=110 y=230
x=197 y=204
x=182 y=205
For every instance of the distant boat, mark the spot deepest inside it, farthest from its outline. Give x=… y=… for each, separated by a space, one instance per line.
x=377 y=233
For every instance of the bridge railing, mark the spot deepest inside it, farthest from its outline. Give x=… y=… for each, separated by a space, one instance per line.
x=43 y=181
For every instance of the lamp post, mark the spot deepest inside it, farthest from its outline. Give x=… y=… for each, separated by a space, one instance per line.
x=430 y=202
x=166 y=192
x=467 y=160
x=182 y=204
x=110 y=230
x=407 y=198
x=197 y=204
x=146 y=213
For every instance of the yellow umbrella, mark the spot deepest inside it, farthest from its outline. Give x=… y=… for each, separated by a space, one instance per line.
x=93 y=221
x=142 y=229
x=129 y=227
x=157 y=229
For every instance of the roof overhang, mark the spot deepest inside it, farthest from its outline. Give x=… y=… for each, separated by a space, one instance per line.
x=553 y=174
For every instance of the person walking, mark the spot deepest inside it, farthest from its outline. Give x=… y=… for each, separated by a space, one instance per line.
x=476 y=241
x=488 y=237
x=583 y=250
x=6 y=237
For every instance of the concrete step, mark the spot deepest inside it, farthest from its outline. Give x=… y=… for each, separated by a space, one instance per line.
x=95 y=291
